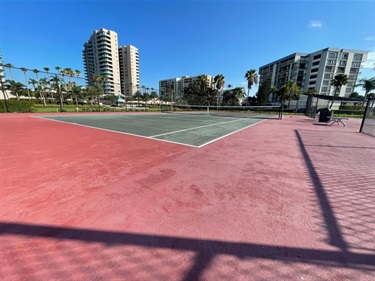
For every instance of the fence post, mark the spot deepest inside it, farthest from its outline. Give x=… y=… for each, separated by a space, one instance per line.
x=364 y=115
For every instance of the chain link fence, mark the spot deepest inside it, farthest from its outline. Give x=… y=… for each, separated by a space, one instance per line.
x=368 y=121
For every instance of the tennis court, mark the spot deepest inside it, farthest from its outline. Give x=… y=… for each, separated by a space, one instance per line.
x=281 y=200
x=188 y=128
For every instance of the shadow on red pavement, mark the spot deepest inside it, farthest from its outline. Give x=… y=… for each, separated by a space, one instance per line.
x=205 y=251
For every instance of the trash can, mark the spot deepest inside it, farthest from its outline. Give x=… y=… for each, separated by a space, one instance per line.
x=324 y=114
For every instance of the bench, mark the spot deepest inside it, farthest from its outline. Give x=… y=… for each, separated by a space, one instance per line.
x=338 y=120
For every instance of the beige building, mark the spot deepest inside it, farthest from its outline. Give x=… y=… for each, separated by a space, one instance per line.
x=176 y=86
x=129 y=69
x=100 y=56
x=316 y=70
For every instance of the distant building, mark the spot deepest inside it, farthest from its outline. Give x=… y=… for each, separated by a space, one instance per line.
x=102 y=55
x=129 y=69
x=316 y=70
x=177 y=85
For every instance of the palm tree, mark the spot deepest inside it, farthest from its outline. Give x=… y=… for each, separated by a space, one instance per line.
x=252 y=78
x=229 y=86
x=78 y=74
x=58 y=68
x=9 y=66
x=56 y=83
x=46 y=69
x=368 y=85
x=99 y=81
x=69 y=72
x=14 y=87
x=43 y=83
x=219 y=84
x=24 y=70
x=36 y=71
x=292 y=90
x=33 y=82
x=137 y=95
x=338 y=81
x=153 y=96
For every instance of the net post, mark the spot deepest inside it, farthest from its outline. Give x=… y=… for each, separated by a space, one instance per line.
x=208 y=110
x=280 y=113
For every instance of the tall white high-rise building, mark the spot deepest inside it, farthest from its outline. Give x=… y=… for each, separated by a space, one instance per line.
x=315 y=71
x=100 y=56
x=129 y=69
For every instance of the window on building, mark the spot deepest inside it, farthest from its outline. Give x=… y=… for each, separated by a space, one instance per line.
x=324 y=89
x=356 y=63
x=317 y=57
x=313 y=76
x=342 y=63
x=358 y=56
x=331 y=62
x=353 y=77
x=326 y=82
x=344 y=55
x=354 y=70
x=332 y=55
x=329 y=69
x=348 y=90
x=327 y=76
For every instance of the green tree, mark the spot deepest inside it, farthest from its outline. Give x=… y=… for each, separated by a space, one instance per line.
x=338 y=81
x=153 y=96
x=368 y=85
x=219 y=83
x=137 y=95
x=47 y=69
x=77 y=74
x=252 y=78
x=232 y=97
x=14 y=87
x=56 y=82
x=9 y=66
x=24 y=70
x=264 y=91
x=200 y=92
x=292 y=91
x=76 y=93
x=146 y=97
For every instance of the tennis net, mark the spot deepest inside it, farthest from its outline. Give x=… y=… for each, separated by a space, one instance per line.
x=263 y=112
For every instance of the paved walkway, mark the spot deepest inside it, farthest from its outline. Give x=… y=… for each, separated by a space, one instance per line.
x=282 y=200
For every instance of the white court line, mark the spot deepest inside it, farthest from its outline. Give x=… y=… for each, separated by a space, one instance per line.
x=169 y=133
x=230 y=133
x=153 y=137
x=118 y=132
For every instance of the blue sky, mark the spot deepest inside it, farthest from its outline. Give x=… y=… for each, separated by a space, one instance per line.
x=177 y=38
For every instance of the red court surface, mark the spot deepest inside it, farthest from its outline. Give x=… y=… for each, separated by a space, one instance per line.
x=281 y=200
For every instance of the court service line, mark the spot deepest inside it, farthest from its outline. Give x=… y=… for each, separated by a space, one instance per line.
x=230 y=133
x=184 y=130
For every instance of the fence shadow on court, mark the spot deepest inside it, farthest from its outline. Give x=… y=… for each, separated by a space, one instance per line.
x=339 y=168
x=74 y=251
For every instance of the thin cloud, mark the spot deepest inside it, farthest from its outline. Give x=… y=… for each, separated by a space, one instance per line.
x=369 y=63
x=316 y=24
x=369 y=38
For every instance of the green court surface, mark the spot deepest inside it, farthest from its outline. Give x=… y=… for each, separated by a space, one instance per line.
x=192 y=130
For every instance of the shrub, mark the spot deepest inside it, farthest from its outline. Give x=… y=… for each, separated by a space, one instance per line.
x=16 y=106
